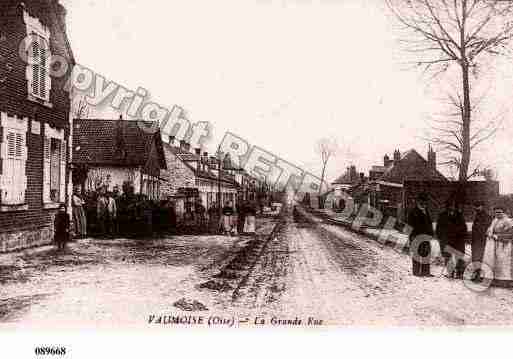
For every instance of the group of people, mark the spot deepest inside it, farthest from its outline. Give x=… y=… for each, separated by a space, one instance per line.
x=109 y=209
x=491 y=241
x=242 y=222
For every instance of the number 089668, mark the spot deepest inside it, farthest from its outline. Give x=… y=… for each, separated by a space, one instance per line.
x=50 y=351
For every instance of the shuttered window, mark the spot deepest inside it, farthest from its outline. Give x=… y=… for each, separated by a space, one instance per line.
x=13 y=155
x=39 y=76
x=54 y=166
x=39 y=55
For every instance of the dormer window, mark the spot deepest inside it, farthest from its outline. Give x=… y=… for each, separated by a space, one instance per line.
x=38 y=55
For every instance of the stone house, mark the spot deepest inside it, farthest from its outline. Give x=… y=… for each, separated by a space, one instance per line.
x=187 y=170
x=34 y=120
x=112 y=152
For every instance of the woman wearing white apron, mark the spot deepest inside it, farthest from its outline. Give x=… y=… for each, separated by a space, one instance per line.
x=498 y=254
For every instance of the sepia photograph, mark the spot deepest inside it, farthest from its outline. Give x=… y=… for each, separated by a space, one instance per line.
x=292 y=166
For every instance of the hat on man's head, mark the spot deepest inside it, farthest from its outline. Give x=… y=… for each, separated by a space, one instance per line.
x=422 y=196
x=479 y=203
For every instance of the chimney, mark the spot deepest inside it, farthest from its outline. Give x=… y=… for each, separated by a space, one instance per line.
x=353 y=175
x=397 y=156
x=172 y=140
x=431 y=159
x=386 y=160
x=187 y=146
x=182 y=145
x=198 y=151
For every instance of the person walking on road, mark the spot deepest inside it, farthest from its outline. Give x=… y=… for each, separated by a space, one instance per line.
x=419 y=220
x=451 y=231
x=482 y=221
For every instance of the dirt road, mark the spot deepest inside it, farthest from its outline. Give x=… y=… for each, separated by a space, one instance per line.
x=319 y=270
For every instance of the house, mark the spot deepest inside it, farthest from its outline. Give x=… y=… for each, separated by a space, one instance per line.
x=386 y=191
x=34 y=120
x=113 y=152
x=348 y=179
x=195 y=175
x=347 y=182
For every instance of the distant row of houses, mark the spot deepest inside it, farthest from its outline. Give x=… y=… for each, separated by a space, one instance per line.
x=44 y=152
x=392 y=186
x=110 y=153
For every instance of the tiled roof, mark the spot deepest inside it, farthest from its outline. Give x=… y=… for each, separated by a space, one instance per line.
x=191 y=159
x=412 y=167
x=346 y=179
x=112 y=142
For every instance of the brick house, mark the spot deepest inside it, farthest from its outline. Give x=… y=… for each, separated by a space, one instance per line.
x=186 y=170
x=34 y=120
x=112 y=152
x=387 y=191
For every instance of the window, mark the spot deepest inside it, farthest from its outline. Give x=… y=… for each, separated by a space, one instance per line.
x=54 y=166
x=38 y=67
x=55 y=169
x=13 y=157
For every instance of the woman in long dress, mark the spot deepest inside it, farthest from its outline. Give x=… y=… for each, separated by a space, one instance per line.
x=228 y=225
x=498 y=253
x=249 y=221
x=79 y=217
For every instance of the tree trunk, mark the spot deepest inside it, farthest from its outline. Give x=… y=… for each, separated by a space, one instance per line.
x=322 y=177
x=466 y=116
x=465 y=131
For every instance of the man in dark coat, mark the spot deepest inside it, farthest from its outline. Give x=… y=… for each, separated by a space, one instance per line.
x=61 y=226
x=422 y=228
x=482 y=221
x=451 y=231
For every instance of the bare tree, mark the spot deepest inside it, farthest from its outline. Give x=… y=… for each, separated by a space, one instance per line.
x=445 y=131
x=457 y=36
x=326 y=148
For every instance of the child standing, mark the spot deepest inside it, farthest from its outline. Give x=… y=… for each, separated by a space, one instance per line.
x=61 y=225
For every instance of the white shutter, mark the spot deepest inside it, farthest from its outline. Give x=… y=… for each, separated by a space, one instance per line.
x=19 y=168
x=35 y=56
x=8 y=170
x=44 y=71
x=14 y=180
x=46 y=170
x=62 y=184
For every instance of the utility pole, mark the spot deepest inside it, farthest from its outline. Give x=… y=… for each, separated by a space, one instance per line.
x=219 y=166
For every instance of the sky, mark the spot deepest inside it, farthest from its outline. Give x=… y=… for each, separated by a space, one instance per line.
x=279 y=73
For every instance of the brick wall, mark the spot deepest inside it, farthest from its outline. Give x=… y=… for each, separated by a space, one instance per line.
x=30 y=227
